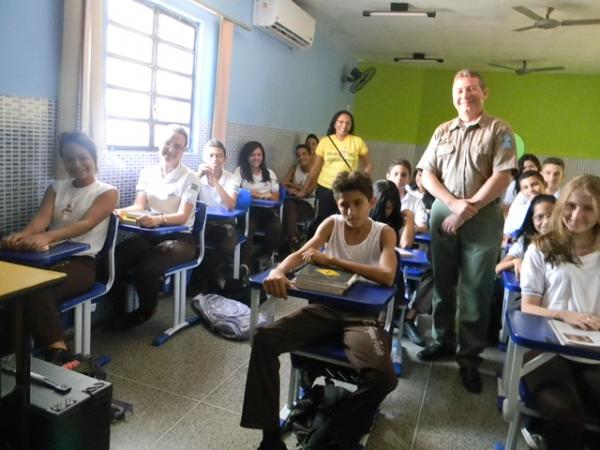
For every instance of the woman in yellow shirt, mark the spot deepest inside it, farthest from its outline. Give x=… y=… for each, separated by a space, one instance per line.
x=339 y=151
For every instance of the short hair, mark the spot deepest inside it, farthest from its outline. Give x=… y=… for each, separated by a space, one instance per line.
x=80 y=139
x=529 y=174
x=331 y=129
x=555 y=161
x=353 y=181
x=299 y=146
x=175 y=129
x=400 y=162
x=470 y=73
x=214 y=143
x=311 y=136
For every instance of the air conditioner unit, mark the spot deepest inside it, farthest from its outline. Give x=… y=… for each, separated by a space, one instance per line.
x=286 y=21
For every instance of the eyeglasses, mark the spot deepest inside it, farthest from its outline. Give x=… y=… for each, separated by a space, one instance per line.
x=174 y=145
x=540 y=217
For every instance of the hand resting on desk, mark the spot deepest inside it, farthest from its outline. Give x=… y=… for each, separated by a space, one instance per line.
x=276 y=284
x=39 y=242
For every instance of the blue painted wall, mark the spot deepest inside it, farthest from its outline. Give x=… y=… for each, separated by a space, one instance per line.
x=30 y=47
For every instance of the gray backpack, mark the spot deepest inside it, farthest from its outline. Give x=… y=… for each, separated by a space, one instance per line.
x=227 y=317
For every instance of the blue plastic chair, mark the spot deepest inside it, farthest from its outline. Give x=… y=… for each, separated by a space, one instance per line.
x=85 y=303
x=179 y=274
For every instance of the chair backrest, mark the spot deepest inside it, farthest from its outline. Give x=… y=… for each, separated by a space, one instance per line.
x=282 y=197
x=243 y=199
x=199 y=227
x=108 y=249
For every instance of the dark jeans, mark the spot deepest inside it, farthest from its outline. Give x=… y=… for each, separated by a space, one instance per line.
x=367 y=347
x=41 y=313
x=222 y=236
x=266 y=220
x=147 y=258
x=326 y=207
x=563 y=389
x=294 y=211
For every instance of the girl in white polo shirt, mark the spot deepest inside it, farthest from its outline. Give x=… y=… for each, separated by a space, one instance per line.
x=167 y=192
x=561 y=280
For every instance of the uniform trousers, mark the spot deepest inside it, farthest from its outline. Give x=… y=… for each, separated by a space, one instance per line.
x=367 y=347
x=41 y=313
x=326 y=207
x=563 y=389
x=294 y=211
x=267 y=220
x=463 y=276
x=147 y=258
x=222 y=237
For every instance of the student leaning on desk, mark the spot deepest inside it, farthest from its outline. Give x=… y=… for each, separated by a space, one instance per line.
x=167 y=192
x=78 y=207
x=560 y=279
x=355 y=243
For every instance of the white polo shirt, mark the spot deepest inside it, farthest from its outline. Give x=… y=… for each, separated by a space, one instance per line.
x=412 y=202
x=209 y=194
x=516 y=214
x=260 y=186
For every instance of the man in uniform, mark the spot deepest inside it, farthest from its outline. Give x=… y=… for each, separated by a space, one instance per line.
x=466 y=167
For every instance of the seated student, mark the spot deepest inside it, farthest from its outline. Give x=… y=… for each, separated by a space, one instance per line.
x=560 y=280
x=526 y=162
x=76 y=208
x=166 y=194
x=417 y=188
x=536 y=222
x=297 y=209
x=355 y=243
x=387 y=210
x=218 y=188
x=399 y=173
x=253 y=174
x=553 y=171
x=531 y=183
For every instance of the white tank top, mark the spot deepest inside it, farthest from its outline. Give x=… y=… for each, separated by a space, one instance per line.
x=72 y=203
x=366 y=252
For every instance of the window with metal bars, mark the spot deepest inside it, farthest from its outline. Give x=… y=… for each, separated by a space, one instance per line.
x=150 y=73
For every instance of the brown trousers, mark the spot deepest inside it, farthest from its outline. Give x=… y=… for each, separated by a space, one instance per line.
x=367 y=347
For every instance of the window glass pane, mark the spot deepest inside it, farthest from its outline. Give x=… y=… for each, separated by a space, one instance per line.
x=127 y=133
x=172 y=58
x=176 y=32
x=127 y=104
x=133 y=14
x=128 y=75
x=172 y=111
x=128 y=43
x=173 y=85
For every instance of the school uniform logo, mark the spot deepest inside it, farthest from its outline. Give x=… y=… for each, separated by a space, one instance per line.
x=507 y=142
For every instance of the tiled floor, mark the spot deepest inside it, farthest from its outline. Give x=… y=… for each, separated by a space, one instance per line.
x=188 y=394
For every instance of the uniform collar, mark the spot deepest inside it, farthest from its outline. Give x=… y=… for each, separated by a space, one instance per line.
x=484 y=121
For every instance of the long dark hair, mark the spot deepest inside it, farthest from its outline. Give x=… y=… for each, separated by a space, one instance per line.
x=527 y=229
x=331 y=129
x=386 y=191
x=245 y=168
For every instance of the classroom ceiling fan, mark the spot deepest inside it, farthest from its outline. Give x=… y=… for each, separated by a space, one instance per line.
x=358 y=79
x=546 y=23
x=525 y=70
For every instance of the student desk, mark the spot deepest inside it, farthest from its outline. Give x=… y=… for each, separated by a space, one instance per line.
x=221 y=213
x=362 y=296
x=423 y=238
x=512 y=293
x=46 y=258
x=529 y=332
x=157 y=231
x=17 y=280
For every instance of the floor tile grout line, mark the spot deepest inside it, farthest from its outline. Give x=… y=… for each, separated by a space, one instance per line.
x=152 y=386
x=416 y=432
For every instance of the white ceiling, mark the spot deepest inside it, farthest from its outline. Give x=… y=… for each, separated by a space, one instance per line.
x=466 y=33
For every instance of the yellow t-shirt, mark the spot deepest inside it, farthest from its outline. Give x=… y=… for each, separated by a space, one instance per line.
x=352 y=147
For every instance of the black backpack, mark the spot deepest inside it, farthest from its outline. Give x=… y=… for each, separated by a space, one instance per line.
x=310 y=419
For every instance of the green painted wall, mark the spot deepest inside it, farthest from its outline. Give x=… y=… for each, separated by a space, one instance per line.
x=556 y=114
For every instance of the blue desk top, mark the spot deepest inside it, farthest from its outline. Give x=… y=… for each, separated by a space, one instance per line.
x=221 y=213
x=361 y=295
x=158 y=231
x=424 y=238
x=44 y=259
x=511 y=283
x=534 y=332
x=417 y=258
x=265 y=203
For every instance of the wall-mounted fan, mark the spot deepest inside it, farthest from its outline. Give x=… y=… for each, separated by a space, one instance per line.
x=358 y=79
x=546 y=23
x=524 y=69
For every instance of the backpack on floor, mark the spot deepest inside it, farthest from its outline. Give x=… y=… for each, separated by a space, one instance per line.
x=228 y=317
x=310 y=419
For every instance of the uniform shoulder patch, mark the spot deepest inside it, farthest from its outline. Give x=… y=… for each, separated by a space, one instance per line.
x=507 y=141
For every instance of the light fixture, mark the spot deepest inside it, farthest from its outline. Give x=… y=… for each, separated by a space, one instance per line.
x=417 y=57
x=399 y=10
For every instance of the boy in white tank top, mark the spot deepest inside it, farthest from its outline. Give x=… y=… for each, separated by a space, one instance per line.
x=355 y=243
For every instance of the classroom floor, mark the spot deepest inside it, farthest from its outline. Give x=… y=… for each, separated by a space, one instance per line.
x=188 y=394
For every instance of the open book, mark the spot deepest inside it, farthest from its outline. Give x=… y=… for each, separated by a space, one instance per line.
x=324 y=279
x=567 y=334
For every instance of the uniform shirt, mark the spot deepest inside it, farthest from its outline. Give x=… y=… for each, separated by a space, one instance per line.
x=510 y=194
x=299 y=177
x=516 y=214
x=71 y=204
x=209 y=194
x=165 y=192
x=352 y=147
x=260 y=186
x=414 y=203
x=517 y=249
x=464 y=158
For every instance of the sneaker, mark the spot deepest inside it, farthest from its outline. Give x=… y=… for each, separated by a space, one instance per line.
x=411 y=331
